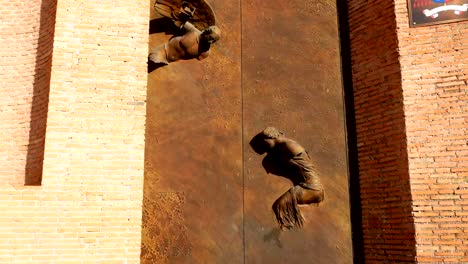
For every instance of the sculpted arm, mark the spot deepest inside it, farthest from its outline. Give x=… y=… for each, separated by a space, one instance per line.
x=203 y=56
x=190 y=27
x=287 y=148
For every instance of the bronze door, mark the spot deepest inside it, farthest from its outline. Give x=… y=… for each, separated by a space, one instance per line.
x=207 y=196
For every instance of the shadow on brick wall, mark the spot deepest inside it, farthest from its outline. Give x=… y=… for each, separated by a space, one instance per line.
x=353 y=170
x=40 y=100
x=381 y=207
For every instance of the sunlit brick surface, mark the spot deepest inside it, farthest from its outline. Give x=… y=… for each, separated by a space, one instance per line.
x=88 y=209
x=435 y=74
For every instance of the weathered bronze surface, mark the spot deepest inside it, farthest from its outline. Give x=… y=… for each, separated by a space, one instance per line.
x=291 y=79
x=207 y=197
x=193 y=173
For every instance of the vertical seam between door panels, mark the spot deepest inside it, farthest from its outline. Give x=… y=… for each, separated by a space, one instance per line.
x=242 y=130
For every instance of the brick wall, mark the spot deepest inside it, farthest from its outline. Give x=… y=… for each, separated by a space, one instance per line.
x=88 y=209
x=388 y=230
x=410 y=87
x=25 y=52
x=435 y=74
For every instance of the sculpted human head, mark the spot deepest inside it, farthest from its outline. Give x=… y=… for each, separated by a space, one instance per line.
x=272 y=132
x=265 y=140
x=270 y=135
x=211 y=34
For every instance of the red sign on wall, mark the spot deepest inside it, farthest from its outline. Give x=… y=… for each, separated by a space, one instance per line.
x=429 y=12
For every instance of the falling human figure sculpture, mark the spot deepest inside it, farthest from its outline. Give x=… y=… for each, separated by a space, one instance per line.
x=192 y=44
x=293 y=158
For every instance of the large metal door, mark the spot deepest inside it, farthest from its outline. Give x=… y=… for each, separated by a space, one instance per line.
x=207 y=196
x=291 y=79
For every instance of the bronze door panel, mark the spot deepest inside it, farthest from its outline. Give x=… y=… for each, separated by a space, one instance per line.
x=193 y=173
x=291 y=80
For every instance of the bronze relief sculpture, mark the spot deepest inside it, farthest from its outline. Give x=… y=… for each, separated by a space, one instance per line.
x=190 y=42
x=286 y=157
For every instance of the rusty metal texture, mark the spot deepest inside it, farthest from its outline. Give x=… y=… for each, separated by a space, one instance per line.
x=291 y=80
x=207 y=197
x=193 y=172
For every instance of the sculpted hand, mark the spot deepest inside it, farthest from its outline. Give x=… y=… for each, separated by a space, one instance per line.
x=181 y=16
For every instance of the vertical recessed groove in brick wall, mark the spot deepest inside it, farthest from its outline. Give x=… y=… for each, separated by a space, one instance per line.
x=26 y=35
x=353 y=169
x=40 y=98
x=388 y=226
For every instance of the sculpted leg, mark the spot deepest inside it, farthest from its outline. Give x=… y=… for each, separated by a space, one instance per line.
x=286 y=210
x=286 y=206
x=307 y=196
